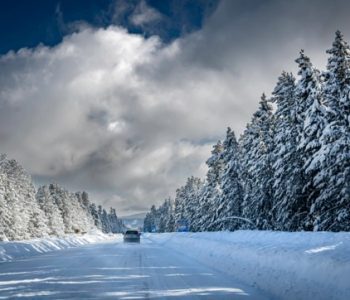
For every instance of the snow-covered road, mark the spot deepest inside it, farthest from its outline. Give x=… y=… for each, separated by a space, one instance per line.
x=117 y=271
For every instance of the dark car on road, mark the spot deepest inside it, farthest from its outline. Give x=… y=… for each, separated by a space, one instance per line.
x=132 y=236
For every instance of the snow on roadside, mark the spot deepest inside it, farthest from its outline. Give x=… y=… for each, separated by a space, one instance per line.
x=20 y=249
x=287 y=265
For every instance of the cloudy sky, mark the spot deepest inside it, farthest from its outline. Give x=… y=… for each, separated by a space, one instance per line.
x=125 y=99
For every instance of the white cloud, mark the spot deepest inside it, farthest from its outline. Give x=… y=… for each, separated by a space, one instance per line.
x=116 y=126
x=88 y=113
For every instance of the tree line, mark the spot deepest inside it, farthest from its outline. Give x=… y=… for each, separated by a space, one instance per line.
x=290 y=168
x=50 y=211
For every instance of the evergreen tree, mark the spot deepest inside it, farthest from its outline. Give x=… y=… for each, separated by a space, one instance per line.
x=192 y=200
x=75 y=218
x=331 y=209
x=51 y=210
x=106 y=226
x=95 y=216
x=83 y=199
x=150 y=223
x=179 y=206
x=287 y=161
x=25 y=217
x=211 y=190
x=147 y=223
x=164 y=211
x=115 y=223
x=230 y=201
x=256 y=160
x=170 y=222
x=5 y=214
x=25 y=213
x=311 y=111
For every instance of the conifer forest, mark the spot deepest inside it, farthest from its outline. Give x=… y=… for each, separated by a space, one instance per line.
x=290 y=168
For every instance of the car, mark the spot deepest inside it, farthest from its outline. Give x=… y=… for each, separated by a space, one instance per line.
x=132 y=236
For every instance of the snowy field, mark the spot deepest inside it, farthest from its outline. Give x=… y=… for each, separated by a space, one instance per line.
x=14 y=250
x=298 y=265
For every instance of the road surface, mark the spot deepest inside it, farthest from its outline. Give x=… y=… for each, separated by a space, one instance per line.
x=117 y=271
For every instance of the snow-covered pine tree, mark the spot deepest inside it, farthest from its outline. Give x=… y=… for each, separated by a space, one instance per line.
x=83 y=198
x=230 y=202
x=309 y=95
x=256 y=161
x=154 y=218
x=84 y=220
x=114 y=221
x=337 y=78
x=75 y=217
x=38 y=224
x=102 y=215
x=164 y=211
x=27 y=219
x=331 y=209
x=5 y=214
x=287 y=162
x=95 y=216
x=51 y=210
x=60 y=199
x=147 y=223
x=106 y=226
x=179 y=205
x=192 y=193
x=151 y=223
x=54 y=211
x=170 y=223
x=9 y=209
x=211 y=192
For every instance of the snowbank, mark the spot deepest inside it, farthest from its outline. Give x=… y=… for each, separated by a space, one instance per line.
x=20 y=249
x=298 y=265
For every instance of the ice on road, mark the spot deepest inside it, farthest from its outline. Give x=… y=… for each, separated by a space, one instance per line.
x=117 y=271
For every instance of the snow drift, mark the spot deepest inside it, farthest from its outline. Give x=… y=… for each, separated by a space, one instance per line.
x=298 y=265
x=21 y=249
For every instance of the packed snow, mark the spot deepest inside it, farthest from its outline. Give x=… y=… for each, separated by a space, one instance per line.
x=298 y=265
x=116 y=270
x=276 y=265
x=22 y=249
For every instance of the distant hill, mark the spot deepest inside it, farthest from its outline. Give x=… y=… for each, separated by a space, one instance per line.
x=134 y=221
x=134 y=216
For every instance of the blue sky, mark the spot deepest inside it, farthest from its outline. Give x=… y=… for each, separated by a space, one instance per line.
x=27 y=23
x=125 y=99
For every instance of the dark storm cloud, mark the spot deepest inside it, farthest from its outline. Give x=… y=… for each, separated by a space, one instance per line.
x=128 y=118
